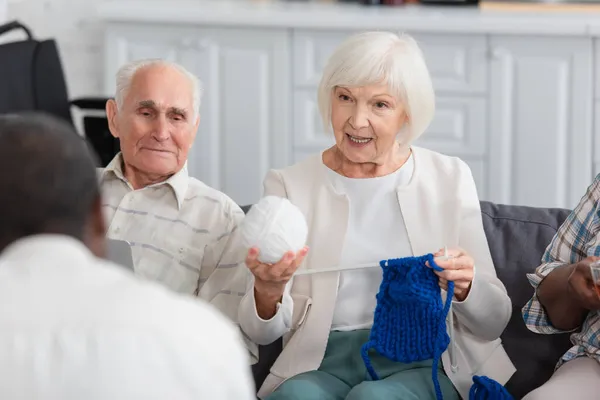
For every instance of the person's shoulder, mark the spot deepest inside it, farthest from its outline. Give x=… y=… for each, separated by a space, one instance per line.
x=594 y=187
x=307 y=164
x=209 y=198
x=197 y=188
x=306 y=167
x=437 y=158
x=440 y=164
x=150 y=304
x=192 y=331
x=100 y=172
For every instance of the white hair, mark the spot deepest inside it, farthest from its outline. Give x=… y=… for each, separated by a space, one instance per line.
x=373 y=58
x=126 y=73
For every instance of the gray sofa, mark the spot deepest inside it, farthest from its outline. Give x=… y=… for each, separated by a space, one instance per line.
x=517 y=238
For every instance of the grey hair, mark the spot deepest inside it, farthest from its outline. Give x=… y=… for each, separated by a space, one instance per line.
x=373 y=58
x=126 y=73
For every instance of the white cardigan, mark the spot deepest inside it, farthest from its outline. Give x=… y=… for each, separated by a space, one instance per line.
x=440 y=208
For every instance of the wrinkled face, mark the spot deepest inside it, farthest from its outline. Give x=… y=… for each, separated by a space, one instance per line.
x=365 y=121
x=156 y=124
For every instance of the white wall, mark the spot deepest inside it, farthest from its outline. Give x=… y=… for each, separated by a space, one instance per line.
x=3 y=10
x=77 y=31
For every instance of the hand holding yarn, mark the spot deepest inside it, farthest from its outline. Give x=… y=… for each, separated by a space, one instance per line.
x=459 y=268
x=270 y=279
x=274 y=232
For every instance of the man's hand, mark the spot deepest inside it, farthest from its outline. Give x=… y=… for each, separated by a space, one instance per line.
x=582 y=285
x=270 y=279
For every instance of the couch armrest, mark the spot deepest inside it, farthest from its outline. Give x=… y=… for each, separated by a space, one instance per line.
x=90 y=103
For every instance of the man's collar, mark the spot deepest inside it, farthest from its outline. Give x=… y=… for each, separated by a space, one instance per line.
x=115 y=167
x=178 y=182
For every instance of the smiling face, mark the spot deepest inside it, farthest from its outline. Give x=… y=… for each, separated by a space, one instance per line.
x=365 y=122
x=156 y=124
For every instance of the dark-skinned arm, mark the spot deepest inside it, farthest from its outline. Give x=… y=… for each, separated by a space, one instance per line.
x=564 y=311
x=562 y=283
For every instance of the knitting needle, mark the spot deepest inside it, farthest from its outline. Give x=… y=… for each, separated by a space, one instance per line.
x=350 y=267
x=452 y=351
x=335 y=269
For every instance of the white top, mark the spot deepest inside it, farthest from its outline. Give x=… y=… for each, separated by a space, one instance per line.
x=76 y=327
x=375 y=232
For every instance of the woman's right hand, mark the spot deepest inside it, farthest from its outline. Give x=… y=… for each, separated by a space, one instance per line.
x=270 y=279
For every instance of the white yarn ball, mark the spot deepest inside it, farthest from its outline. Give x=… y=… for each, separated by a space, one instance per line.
x=275 y=226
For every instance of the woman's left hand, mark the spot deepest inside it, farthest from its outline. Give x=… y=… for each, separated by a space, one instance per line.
x=459 y=268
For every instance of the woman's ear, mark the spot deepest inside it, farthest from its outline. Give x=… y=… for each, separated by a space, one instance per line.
x=406 y=120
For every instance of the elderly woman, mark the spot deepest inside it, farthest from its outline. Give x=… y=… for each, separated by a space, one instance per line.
x=374 y=196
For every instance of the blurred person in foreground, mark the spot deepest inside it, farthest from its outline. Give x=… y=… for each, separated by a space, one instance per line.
x=74 y=326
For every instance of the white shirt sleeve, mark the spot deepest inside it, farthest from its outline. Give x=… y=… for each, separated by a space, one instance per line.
x=487 y=309
x=260 y=331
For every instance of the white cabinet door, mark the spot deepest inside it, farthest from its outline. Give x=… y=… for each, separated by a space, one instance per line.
x=245 y=111
x=540 y=120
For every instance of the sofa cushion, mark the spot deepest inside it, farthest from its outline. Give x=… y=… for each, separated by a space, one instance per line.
x=517 y=237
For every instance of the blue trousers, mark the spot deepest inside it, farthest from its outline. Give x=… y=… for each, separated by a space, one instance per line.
x=343 y=376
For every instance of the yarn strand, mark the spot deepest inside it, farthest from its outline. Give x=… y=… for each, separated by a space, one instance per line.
x=485 y=388
x=441 y=330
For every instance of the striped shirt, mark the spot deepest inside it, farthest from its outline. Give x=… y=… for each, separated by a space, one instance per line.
x=576 y=239
x=182 y=234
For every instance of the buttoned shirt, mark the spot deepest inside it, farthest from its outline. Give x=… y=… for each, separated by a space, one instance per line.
x=182 y=234
x=76 y=327
x=577 y=238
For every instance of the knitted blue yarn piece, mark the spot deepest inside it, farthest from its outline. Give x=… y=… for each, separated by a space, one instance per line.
x=410 y=321
x=485 y=388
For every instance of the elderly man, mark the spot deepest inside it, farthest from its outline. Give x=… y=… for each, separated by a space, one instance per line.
x=180 y=230
x=75 y=326
x=565 y=300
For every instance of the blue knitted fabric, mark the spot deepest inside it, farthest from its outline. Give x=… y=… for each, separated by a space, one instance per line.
x=485 y=388
x=410 y=322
